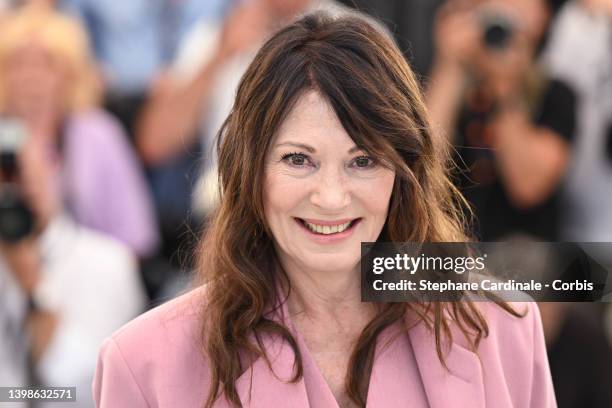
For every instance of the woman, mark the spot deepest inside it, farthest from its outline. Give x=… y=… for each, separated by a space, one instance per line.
x=48 y=81
x=327 y=145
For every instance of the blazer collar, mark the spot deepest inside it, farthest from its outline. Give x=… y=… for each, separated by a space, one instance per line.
x=460 y=385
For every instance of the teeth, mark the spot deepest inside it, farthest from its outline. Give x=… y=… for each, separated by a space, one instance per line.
x=326 y=229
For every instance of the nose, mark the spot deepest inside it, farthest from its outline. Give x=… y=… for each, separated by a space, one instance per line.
x=331 y=192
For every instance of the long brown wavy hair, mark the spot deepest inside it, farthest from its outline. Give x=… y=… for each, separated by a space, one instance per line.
x=362 y=74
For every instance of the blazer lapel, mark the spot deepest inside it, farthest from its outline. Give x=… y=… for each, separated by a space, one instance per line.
x=259 y=386
x=459 y=386
x=269 y=386
x=390 y=383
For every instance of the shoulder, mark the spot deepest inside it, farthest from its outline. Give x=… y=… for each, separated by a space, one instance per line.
x=509 y=335
x=94 y=128
x=112 y=270
x=97 y=245
x=510 y=365
x=164 y=330
x=95 y=135
x=81 y=244
x=513 y=354
x=92 y=118
x=517 y=331
x=112 y=260
x=182 y=312
x=157 y=356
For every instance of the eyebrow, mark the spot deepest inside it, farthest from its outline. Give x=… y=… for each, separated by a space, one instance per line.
x=311 y=149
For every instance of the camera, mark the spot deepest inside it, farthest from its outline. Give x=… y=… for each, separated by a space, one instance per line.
x=497 y=30
x=16 y=218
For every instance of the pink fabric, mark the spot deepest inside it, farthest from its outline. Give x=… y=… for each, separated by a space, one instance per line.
x=156 y=361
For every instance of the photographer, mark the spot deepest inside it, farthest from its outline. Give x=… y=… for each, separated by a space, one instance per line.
x=63 y=288
x=511 y=123
x=48 y=80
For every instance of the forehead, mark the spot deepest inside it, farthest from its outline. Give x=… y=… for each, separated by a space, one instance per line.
x=312 y=120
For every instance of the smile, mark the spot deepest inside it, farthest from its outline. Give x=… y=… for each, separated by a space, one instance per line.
x=328 y=227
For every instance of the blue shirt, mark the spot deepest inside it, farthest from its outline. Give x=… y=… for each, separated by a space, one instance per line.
x=135 y=39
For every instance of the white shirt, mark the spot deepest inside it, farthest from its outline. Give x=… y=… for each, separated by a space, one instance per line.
x=579 y=52
x=91 y=282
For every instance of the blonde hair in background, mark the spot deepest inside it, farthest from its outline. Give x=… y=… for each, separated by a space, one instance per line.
x=62 y=37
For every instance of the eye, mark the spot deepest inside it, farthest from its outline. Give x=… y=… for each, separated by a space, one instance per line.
x=363 y=162
x=296 y=159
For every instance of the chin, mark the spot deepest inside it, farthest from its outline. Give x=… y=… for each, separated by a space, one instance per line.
x=332 y=262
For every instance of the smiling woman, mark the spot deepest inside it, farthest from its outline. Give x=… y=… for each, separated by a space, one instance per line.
x=322 y=192
x=328 y=145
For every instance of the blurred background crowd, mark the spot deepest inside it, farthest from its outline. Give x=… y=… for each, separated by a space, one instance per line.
x=108 y=114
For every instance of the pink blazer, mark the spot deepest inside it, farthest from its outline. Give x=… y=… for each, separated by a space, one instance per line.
x=156 y=361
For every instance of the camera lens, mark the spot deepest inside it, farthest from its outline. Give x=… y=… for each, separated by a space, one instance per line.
x=497 y=36
x=16 y=219
x=497 y=31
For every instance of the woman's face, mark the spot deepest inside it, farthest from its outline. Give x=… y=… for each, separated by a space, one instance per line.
x=35 y=82
x=322 y=195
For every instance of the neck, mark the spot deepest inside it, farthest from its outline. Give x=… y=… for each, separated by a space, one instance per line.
x=321 y=295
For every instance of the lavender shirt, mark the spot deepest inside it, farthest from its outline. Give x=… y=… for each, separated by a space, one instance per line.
x=104 y=185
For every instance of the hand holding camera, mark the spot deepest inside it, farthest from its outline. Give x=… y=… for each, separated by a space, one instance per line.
x=16 y=216
x=29 y=195
x=488 y=41
x=28 y=199
x=457 y=34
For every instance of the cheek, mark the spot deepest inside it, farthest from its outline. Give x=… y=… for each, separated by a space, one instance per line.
x=281 y=195
x=376 y=195
x=35 y=83
x=15 y=80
